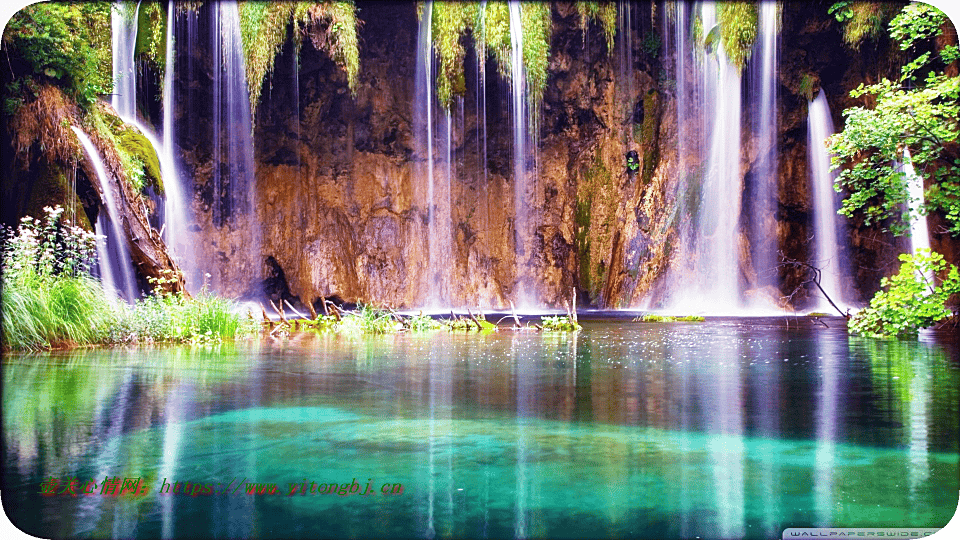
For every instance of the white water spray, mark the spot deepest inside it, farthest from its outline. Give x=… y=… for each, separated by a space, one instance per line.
x=116 y=267
x=826 y=247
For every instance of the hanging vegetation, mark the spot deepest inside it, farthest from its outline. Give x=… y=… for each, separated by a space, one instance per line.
x=151 y=45
x=449 y=21
x=738 y=30
x=862 y=20
x=490 y=30
x=331 y=26
x=604 y=14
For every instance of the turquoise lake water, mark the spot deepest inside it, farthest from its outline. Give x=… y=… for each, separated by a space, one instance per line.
x=724 y=429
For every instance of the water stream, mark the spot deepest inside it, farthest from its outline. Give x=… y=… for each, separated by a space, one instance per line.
x=826 y=246
x=116 y=267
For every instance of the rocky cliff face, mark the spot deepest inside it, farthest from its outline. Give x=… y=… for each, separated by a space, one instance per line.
x=340 y=210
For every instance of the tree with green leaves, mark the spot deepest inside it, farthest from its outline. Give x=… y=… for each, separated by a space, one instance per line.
x=912 y=120
x=915 y=119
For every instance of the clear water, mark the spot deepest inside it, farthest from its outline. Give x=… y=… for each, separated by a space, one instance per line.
x=736 y=428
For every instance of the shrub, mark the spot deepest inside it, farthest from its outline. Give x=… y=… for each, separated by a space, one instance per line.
x=909 y=302
x=559 y=323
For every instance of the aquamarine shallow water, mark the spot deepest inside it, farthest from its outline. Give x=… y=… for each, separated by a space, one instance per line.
x=723 y=429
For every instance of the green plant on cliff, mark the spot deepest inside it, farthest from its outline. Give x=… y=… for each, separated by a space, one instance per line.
x=330 y=25
x=151 y=45
x=66 y=44
x=604 y=14
x=919 y=112
x=909 y=302
x=738 y=30
x=451 y=23
x=862 y=20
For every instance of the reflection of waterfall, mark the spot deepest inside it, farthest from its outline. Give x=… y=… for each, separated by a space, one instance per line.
x=116 y=268
x=726 y=445
x=827 y=415
x=826 y=247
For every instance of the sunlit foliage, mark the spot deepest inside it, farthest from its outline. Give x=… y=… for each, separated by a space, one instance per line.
x=738 y=30
x=453 y=22
x=862 y=20
x=604 y=13
x=909 y=301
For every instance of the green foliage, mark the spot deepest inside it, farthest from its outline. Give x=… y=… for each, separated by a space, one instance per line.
x=559 y=323
x=651 y=44
x=151 y=45
x=669 y=318
x=807 y=81
x=452 y=22
x=48 y=299
x=423 y=323
x=331 y=26
x=919 y=115
x=170 y=317
x=861 y=20
x=139 y=161
x=68 y=43
x=738 y=30
x=449 y=22
x=909 y=302
x=604 y=14
x=368 y=320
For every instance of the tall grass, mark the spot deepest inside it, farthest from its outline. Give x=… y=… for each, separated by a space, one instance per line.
x=49 y=299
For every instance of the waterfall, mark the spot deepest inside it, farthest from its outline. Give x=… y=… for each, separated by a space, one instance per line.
x=116 y=268
x=233 y=174
x=124 y=41
x=764 y=193
x=826 y=248
x=919 y=235
x=176 y=212
x=524 y=293
x=437 y=196
x=714 y=249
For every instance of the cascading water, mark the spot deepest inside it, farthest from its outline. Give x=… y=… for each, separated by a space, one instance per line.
x=764 y=193
x=116 y=268
x=124 y=39
x=826 y=247
x=919 y=234
x=525 y=293
x=124 y=101
x=716 y=255
x=437 y=195
x=233 y=174
x=176 y=212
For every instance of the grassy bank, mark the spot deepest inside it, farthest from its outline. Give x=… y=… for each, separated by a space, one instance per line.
x=50 y=301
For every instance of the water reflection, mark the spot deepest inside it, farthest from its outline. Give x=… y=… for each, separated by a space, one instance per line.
x=713 y=430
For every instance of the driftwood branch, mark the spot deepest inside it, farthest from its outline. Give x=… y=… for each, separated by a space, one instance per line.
x=815 y=279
